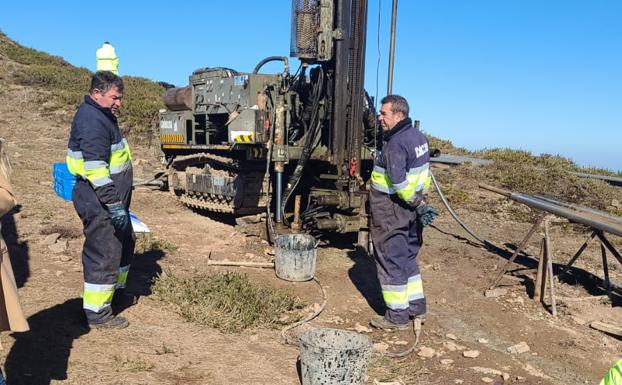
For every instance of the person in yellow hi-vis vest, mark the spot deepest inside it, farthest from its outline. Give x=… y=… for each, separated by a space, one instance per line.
x=107 y=59
x=613 y=376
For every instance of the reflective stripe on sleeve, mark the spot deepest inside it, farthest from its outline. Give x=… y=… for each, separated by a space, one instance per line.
x=415 y=182
x=120 y=157
x=75 y=162
x=96 y=172
x=380 y=181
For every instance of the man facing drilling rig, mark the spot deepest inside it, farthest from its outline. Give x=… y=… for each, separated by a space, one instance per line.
x=399 y=182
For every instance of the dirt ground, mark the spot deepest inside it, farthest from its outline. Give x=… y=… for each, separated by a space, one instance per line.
x=159 y=347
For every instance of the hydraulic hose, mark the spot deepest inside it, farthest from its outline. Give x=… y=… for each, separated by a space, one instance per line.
x=309 y=317
x=269 y=59
x=455 y=216
x=417 y=330
x=310 y=142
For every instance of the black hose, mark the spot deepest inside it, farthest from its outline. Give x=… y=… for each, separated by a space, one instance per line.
x=308 y=145
x=454 y=215
x=269 y=59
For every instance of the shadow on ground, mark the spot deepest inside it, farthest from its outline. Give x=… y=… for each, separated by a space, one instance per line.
x=524 y=264
x=144 y=269
x=41 y=354
x=18 y=249
x=364 y=277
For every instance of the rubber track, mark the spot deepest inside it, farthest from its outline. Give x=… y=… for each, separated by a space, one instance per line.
x=203 y=203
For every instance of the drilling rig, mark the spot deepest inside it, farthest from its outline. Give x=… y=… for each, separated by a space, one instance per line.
x=295 y=146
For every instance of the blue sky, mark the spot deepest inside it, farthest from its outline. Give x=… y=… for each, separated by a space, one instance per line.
x=543 y=76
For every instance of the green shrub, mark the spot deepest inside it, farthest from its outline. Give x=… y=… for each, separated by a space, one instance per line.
x=66 y=85
x=445 y=146
x=20 y=54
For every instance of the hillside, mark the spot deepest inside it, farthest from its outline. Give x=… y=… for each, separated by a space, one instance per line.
x=38 y=94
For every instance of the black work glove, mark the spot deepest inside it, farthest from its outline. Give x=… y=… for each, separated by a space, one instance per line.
x=426 y=214
x=118 y=215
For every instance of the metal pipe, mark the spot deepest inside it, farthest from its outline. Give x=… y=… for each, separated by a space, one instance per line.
x=178 y=98
x=296 y=224
x=392 y=48
x=572 y=215
x=497 y=190
x=241 y=264
x=549 y=266
x=279 y=192
x=584 y=209
x=279 y=134
x=607 y=178
x=592 y=218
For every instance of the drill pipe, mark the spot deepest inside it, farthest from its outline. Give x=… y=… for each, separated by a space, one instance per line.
x=592 y=218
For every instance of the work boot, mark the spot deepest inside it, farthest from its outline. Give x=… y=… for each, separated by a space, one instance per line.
x=117 y=322
x=420 y=317
x=378 y=321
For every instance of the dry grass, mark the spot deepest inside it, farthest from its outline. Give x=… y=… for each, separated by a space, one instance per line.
x=147 y=242
x=229 y=302
x=120 y=363
x=405 y=370
x=456 y=196
x=520 y=171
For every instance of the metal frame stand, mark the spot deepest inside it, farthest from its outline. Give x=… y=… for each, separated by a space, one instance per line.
x=544 y=274
x=604 y=246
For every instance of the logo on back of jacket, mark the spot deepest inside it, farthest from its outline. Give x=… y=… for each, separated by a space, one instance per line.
x=419 y=150
x=422 y=149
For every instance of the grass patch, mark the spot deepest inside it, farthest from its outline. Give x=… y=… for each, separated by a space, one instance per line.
x=131 y=365
x=147 y=242
x=456 y=196
x=164 y=350
x=66 y=85
x=229 y=302
x=549 y=175
x=445 y=146
x=405 y=370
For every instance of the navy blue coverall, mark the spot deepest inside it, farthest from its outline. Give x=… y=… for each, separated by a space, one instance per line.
x=400 y=178
x=100 y=158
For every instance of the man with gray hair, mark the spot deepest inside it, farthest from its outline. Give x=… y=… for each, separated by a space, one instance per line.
x=399 y=182
x=100 y=158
